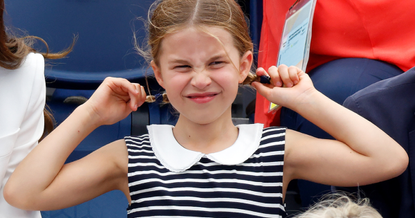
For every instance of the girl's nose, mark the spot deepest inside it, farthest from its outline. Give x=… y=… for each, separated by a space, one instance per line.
x=201 y=79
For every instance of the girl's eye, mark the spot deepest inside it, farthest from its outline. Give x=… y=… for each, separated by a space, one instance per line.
x=217 y=63
x=182 y=67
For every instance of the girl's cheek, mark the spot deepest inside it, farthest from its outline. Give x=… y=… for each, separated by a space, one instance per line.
x=226 y=75
x=179 y=80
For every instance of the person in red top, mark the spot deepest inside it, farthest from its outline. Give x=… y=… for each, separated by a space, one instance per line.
x=354 y=43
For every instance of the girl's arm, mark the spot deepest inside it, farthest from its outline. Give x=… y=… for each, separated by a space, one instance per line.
x=362 y=153
x=43 y=182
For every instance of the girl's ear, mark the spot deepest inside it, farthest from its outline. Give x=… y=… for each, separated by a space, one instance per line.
x=245 y=66
x=157 y=73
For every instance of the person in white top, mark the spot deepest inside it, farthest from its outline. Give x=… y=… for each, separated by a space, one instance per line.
x=22 y=98
x=22 y=107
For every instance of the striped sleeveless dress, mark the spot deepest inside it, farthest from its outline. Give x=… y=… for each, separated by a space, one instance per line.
x=244 y=180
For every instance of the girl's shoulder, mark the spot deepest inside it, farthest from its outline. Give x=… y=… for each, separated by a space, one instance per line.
x=273 y=138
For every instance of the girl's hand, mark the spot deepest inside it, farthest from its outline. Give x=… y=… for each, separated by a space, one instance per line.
x=114 y=100
x=289 y=85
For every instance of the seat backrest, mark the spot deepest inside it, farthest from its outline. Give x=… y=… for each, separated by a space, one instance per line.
x=105 y=45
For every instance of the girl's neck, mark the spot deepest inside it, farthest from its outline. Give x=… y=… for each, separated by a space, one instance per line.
x=205 y=138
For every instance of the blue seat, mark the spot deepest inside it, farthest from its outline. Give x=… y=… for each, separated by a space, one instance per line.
x=105 y=44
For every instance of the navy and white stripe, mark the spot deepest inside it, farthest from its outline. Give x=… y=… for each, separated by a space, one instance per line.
x=208 y=189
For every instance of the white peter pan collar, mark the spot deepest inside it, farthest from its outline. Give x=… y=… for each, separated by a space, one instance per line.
x=176 y=158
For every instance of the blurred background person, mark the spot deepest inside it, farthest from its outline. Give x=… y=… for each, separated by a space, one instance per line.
x=390 y=105
x=354 y=44
x=23 y=117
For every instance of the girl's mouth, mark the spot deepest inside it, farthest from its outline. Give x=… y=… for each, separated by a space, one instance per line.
x=201 y=98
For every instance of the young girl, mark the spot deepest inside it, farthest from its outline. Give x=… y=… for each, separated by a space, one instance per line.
x=204 y=166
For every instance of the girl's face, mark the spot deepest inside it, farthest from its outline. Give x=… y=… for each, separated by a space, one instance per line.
x=201 y=75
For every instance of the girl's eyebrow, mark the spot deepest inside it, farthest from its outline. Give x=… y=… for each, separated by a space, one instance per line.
x=178 y=61
x=218 y=56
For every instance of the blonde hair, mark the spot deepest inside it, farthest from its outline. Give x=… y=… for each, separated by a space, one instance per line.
x=170 y=16
x=340 y=206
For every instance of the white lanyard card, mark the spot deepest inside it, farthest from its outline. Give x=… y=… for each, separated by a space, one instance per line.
x=296 y=36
